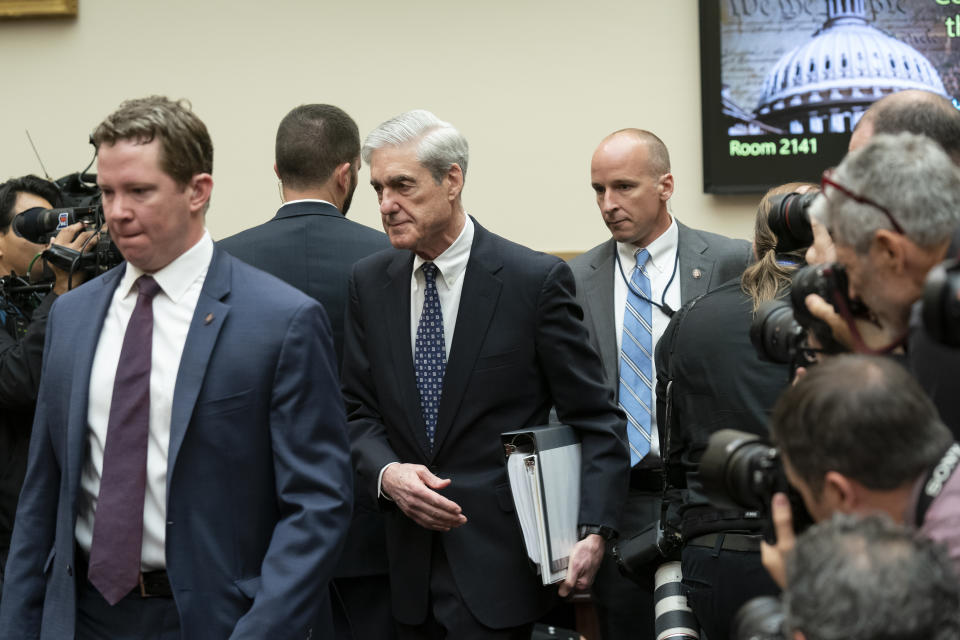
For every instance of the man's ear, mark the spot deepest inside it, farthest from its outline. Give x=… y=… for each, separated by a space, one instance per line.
x=665 y=186
x=342 y=176
x=455 y=182
x=201 y=186
x=276 y=171
x=840 y=493
x=889 y=250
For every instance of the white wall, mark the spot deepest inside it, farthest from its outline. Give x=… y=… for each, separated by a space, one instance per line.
x=533 y=85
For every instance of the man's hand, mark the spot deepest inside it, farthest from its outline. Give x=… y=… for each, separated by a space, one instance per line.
x=774 y=557
x=414 y=489
x=874 y=335
x=73 y=237
x=585 y=558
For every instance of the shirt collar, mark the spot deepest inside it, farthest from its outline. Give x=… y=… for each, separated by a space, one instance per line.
x=663 y=250
x=286 y=202
x=175 y=278
x=452 y=263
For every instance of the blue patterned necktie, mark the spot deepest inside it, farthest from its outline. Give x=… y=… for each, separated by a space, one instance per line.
x=430 y=358
x=636 y=366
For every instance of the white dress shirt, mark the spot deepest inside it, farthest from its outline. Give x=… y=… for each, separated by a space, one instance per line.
x=664 y=289
x=180 y=283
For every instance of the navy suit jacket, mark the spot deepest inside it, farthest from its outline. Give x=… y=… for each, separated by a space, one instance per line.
x=519 y=346
x=313 y=247
x=258 y=475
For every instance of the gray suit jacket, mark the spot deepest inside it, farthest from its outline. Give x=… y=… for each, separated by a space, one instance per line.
x=716 y=258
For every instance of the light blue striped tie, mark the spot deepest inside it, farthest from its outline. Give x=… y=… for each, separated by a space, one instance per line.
x=636 y=366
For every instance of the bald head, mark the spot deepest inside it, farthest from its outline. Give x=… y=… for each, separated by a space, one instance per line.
x=658 y=158
x=913 y=111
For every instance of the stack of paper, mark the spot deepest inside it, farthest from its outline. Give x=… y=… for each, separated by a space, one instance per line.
x=543 y=464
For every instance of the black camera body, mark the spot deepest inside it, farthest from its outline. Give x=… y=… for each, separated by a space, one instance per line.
x=642 y=552
x=779 y=329
x=739 y=470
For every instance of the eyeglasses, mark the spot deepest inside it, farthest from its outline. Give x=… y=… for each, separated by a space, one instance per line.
x=827 y=180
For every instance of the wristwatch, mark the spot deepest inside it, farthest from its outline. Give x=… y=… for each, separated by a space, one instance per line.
x=604 y=532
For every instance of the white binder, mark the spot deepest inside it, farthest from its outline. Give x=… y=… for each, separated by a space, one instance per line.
x=543 y=464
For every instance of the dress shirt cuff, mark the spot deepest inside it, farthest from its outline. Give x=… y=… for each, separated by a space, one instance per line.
x=380 y=492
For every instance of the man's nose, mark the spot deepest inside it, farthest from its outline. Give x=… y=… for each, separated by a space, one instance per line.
x=387 y=204
x=608 y=202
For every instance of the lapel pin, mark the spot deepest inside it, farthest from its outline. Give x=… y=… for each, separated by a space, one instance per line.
x=209 y=317
x=697 y=273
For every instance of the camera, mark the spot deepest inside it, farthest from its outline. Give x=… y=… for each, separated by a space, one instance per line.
x=789 y=219
x=941 y=303
x=761 y=618
x=779 y=329
x=81 y=194
x=777 y=336
x=741 y=471
x=650 y=547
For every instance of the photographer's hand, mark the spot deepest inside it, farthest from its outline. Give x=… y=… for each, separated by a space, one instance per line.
x=585 y=558
x=872 y=334
x=73 y=237
x=774 y=557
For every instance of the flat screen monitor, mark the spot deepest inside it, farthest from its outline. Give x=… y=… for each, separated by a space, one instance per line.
x=785 y=81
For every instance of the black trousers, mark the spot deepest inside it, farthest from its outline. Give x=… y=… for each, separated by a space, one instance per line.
x=624 y=607
x=719 y=581
x=448 y=617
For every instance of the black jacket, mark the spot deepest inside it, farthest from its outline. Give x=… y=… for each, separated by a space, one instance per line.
x=21 y=355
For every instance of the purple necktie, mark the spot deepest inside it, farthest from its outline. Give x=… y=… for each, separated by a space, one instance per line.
x=118 y=520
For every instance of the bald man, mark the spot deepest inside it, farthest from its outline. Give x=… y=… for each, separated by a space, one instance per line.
x=630 y=174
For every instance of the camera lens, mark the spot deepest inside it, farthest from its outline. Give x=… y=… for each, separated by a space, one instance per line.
x=774 y=332
x=941 y=303
x=789 y=219
x=738 y=470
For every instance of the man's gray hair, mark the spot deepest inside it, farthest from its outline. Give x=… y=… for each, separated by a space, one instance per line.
x=908 y=174
x=439 y=144
x=864 y=579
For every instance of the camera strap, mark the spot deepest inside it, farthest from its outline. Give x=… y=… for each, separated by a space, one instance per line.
x=936 y=480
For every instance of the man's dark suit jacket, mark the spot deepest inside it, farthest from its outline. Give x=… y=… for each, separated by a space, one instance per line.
x=259 y=481
x=518 y=347
x=312 y=246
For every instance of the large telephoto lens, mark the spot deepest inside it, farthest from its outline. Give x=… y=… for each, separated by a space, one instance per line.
x=674 y=617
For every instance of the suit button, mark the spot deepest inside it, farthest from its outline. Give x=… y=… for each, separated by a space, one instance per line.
x=69 y=571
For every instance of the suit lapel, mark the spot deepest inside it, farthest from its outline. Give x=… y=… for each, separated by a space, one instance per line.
x=599 y=297
x=478 y=301
x=691 y=248
x=87 y=338
x=395 y=299
x=207 y=321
